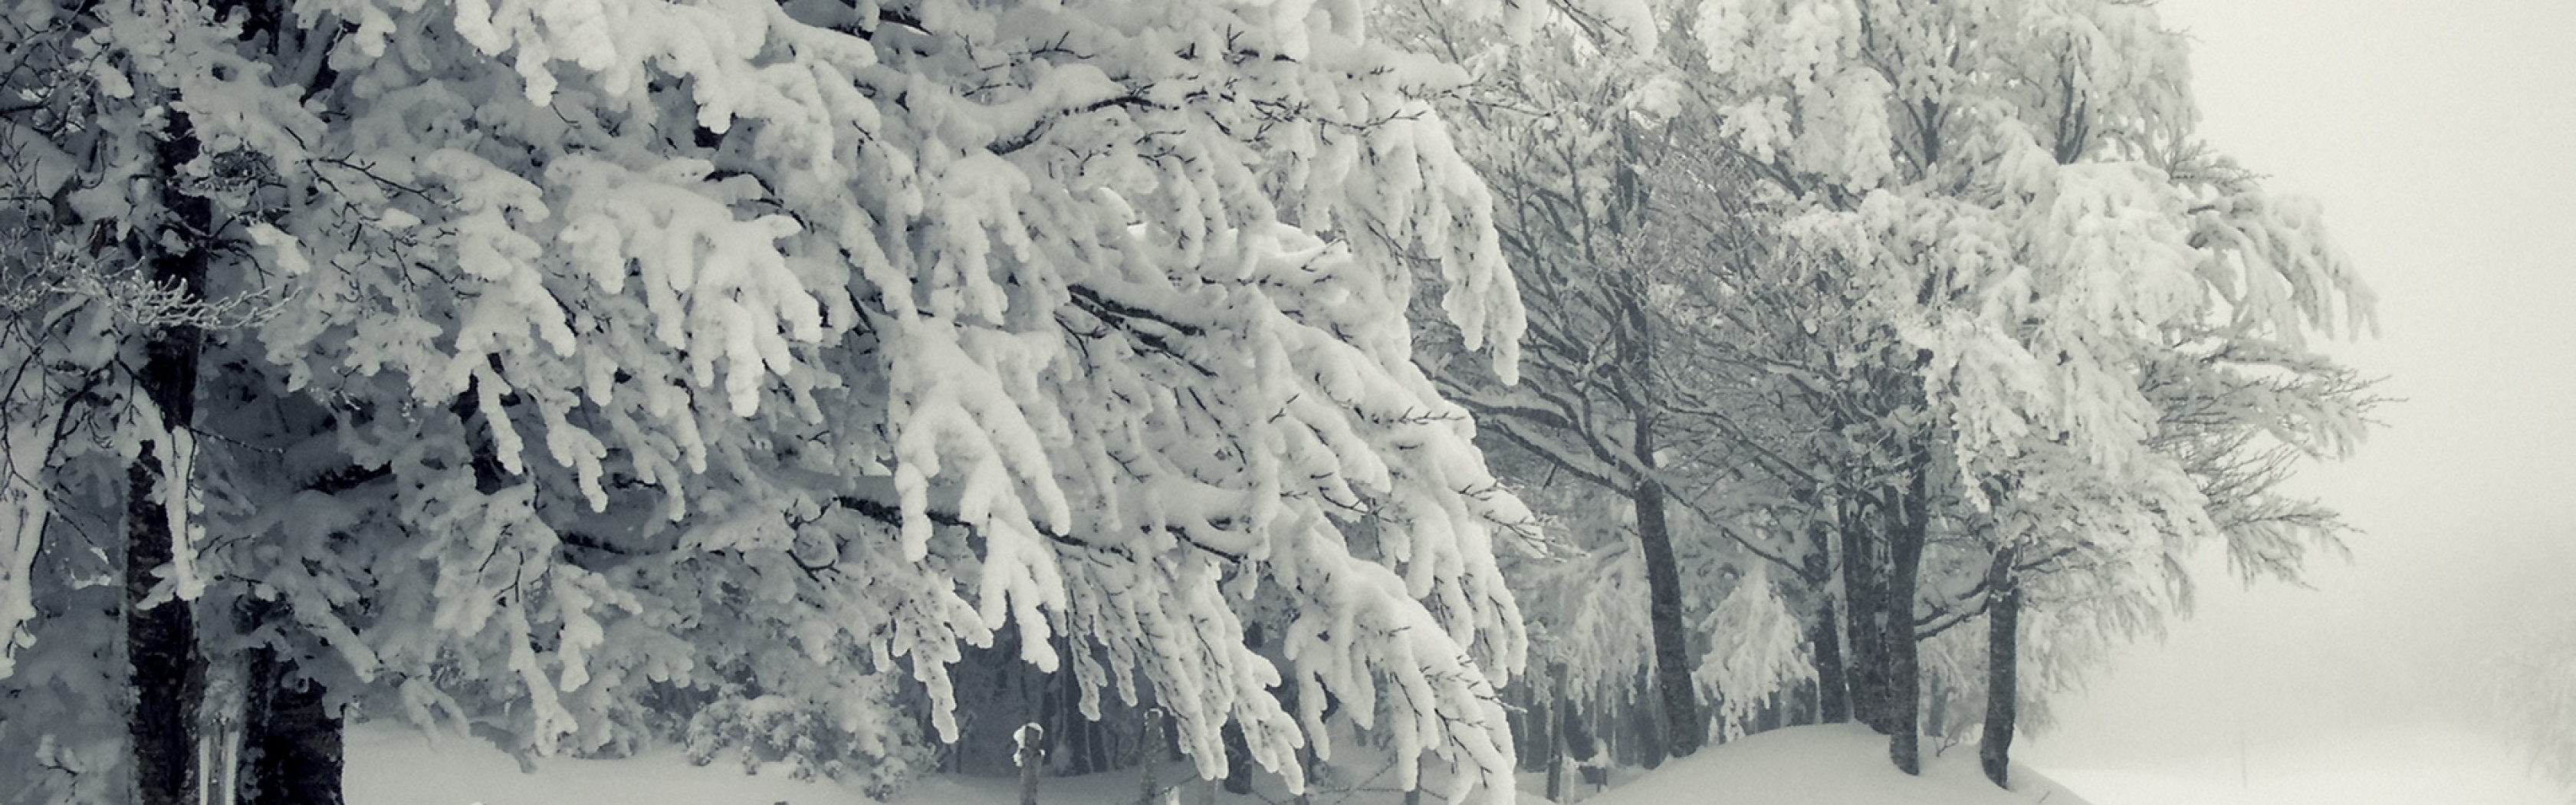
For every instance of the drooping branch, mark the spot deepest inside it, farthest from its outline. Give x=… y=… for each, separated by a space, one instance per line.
x=892 y=515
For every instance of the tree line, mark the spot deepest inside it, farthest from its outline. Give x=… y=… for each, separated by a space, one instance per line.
x=1857 y=328
x=848 y=384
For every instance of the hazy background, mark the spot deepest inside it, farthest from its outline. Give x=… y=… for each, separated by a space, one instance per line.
x=2441 y=138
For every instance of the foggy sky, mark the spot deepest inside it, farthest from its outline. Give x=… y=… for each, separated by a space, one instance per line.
x=2441 y=139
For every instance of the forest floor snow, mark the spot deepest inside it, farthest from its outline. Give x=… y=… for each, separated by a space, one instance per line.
x=2415 y=764
x=1834 y=765
x=1841 y=764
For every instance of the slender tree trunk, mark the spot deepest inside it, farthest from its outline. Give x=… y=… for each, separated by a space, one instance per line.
x=1029 y=754
x=1148 y=749
x=1912 y=515
x=161 y=641
x=1606 y=728
x=1095 y=739
x=1773 y=708
x=1833 y=688
x=1558 y=721
x=1066 y=714
x=2003 y=674
x=1664 y=612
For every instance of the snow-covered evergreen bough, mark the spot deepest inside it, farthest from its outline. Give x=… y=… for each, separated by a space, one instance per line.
x=625 y=358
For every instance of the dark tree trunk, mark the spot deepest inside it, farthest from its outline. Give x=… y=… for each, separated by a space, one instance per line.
x=1527 y=715
x=2003 y=676
x=1064 y=717
x=1095 y=744
x=1865 y=615
x=161 y=641
x=1558 y=722
x=1664 y=617
x=161 y=647
x=1149 y=749
x=1030 y=755
x=1238 y=759
x=290 y=739
x=1911 y=514
x=1641 y=724
x=1833 y=688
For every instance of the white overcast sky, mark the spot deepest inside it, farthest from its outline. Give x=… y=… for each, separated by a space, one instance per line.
x=2440 y=136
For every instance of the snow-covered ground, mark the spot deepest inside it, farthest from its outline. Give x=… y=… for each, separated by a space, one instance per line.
x=393 y=765
x=2426 y=765
x=1839 y=765
x=1844 y=764
x=397 y=766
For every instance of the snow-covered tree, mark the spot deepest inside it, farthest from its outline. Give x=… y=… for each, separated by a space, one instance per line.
x=634 y=350
x=113 y=252
x=1760 y=650
x=1943 y=314
x=2531 y=687
x=1571 y=133
x=2014 y=188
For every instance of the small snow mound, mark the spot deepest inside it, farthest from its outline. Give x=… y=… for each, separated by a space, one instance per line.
x=1841 y=764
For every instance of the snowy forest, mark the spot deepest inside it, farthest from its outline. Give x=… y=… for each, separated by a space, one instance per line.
x=845 y=384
